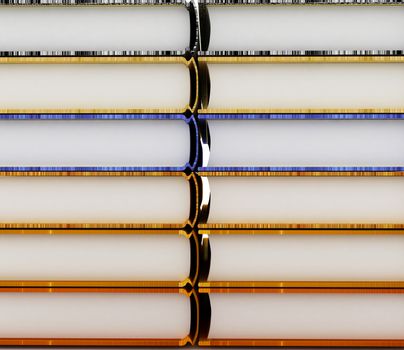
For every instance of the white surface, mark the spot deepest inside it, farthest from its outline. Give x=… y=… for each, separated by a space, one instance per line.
x=94 y=143
x=307 y=200
x=92 y=315
x=307 y=85
x=306 y=143
x=305 y=257
x=86 y=28
x=306 y=27
x=87 y=86
x=116 y=257
x=307 y=316
x=94 y=199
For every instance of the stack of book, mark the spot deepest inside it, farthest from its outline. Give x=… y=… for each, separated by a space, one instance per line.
x=212 y=173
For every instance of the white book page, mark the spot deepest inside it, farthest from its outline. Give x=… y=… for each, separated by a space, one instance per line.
x=94 y=28
x=307 y=316
x=307 y=85
x=305 y=27
x=93 y=86
x=94 y=143
x=94 y=315
x=306 y=143
x=94 y=199
x=315 y=200
x=306 y=257
x=94 y=257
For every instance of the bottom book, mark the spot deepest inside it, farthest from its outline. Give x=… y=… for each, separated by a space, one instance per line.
x=301 y=317
x=97 y=317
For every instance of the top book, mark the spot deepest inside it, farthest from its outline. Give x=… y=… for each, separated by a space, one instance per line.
x=108 y=28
